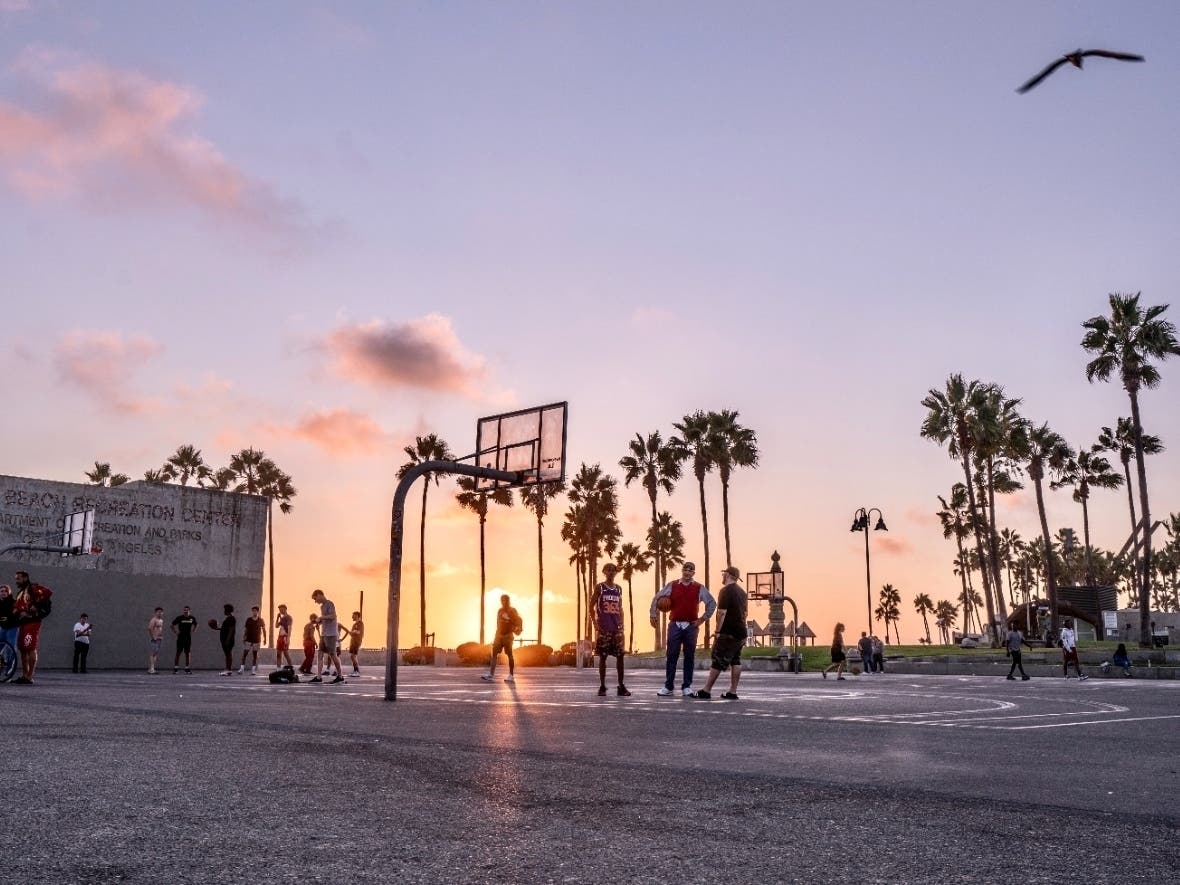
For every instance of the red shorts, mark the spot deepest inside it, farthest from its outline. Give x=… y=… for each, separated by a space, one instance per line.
x=27 y=638
x=283 y=643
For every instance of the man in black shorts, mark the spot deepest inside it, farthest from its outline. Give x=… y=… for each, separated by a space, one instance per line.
x=508 y=625
x=606 y=607
x=253 y=635
x=226 y=633
x=182 y=628
x=730 y=635
x=356 y=633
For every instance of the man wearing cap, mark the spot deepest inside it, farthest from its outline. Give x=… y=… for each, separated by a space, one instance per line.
x=606 y=602
x=730 y=635
x=683 y=623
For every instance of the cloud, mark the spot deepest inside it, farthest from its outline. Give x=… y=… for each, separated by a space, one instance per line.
x=339 y=432
x=894 y=545
x=378 y=568
x=420 y=353
x=112 y=138
x=102 y=364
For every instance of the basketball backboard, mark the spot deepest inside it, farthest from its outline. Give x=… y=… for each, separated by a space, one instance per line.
x=528 y=441
x=78 y=533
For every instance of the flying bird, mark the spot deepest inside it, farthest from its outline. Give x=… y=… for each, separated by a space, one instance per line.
x=1075 y=59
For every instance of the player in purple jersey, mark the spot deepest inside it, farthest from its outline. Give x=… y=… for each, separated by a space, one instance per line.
x=607 y=604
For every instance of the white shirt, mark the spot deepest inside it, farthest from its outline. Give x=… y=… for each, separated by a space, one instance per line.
x=1069 y=639
x=82 y=632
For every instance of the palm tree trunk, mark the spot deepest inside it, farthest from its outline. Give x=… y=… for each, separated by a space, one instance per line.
x=422 y=563
x=963 y=578
x=578 y=614
x=659 y=563
x=994 y=541
x=540 y=576
x=725 y=518
x=983 y=562
x=1086 y=538
x=630 y=619
x=482 y=580
x=270 y=542
x=926 y=625
x=1134 y=531
x=705 y=534
x=1050 y=569
x=1145 y=521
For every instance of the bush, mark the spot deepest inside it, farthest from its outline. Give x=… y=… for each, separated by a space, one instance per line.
x=533 y=655
x=472 y=654
x=419 y=655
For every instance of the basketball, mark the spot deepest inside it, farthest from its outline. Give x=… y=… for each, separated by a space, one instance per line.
x=213 y=623
x=664 y=603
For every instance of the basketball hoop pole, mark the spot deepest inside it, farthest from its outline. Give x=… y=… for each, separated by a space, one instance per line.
x=41 y=548
x=395 y=548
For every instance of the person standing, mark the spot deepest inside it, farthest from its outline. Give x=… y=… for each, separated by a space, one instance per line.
x=508 y=625
x=226 y=632
x=329 y=637
x=865 y=646
x=730 y=635
x=9 y=632
x=309 y=644
x=82 y=631
x=878 y=648
x=684 y=621
x=253 y=635
x=1014 y=640
x=1069 y=651
x=283 y=624
x=838 y=656
x=606 y=603
x=155 y=629
x=183 y=626
x=32 y=604
x=356 y=635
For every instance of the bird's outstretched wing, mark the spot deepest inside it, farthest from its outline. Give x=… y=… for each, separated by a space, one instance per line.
x=1042 y=75
x=1121 y=56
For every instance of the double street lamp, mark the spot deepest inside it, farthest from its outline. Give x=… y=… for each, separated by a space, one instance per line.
x=860 y=523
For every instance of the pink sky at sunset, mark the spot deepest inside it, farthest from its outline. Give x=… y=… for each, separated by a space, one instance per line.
x=322 y=230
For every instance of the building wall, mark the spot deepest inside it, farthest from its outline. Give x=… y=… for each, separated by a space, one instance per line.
x=165 y=545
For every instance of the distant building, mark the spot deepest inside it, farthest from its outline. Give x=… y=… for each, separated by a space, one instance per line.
x=163 y=544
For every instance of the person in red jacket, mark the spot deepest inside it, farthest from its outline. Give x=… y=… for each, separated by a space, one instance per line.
x=684 y=621
x=30 y=608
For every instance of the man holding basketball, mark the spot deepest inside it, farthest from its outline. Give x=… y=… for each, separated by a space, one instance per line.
x=329 y=638
x=606 y=602
x=508 y=625
x=31 y=605
x=685 y=597
x=283 y=624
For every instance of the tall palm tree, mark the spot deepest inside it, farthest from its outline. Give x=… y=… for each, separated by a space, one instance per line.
x=247 y=466
x=993 y=455
x=958 y=416
x=1086 y=470
x=698 y=441
x=923 y=606
x=953 y=517
x=187 y=463
x=1121 y=441
x=101 y=475
x=657 y=466
x=574 y=533
x=425 y=448
x=632 y=559
x=889 y=610
x=478 y=502
x=536 y=497
x=597 y=493
x=1125 y=343
x=1045 y=451
x=733 y=446
x=667 y=536
x=944 y=618
x=279 y=489
x=1010 y=548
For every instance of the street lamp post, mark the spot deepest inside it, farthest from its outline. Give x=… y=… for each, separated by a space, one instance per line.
x=860 y=523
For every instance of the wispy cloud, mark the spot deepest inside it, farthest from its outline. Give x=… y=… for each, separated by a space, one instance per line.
x=341 y=433
x=378 y=568
x=102 y=365
x=112 y=138
x=894 y=545
x=423 y=353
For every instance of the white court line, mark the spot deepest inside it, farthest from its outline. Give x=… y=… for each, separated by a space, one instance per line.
x=1072 y=724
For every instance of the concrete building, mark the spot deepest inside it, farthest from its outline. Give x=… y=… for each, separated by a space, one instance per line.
x=165 y=545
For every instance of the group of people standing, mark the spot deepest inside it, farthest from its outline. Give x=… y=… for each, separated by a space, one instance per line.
x=21 y=614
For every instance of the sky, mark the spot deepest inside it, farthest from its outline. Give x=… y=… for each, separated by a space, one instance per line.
x=321 y=229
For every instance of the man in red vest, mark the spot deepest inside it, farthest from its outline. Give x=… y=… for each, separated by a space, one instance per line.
x=684 y=621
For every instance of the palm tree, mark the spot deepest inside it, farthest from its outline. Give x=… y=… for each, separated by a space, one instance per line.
x=596 y=492
x=478 y=503
x=953 y=517
x=697 y=441
x=923 y=606
x=1044 y=450
x=1125 y=342
x=944 y=618
x=668 y=538
x=426 y=448
x=536 y=497
x=279 y=489
x=573 y=532
x=958 y=416
x=1084 y=471
x=632 y=559
x=657 y=466
x=156 y=477
x=186 y=463
x=889 y=610
x=223 y=479
x=733 y=446
x=1121 y=440
x=993 y=456
x=247 y=468
x=1010 y=547
x=101 y=475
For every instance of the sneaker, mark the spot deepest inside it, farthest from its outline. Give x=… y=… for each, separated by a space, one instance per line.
x=226 y=673
x=510 y=679
x=20 y=680
x=702 y=694
x=355 y=673
x=487 y=677
x=622 y=692
x=602 y=691
x=337 y=680
x=7 y=677
x=1011 y=678
x=188 y=672
x=253 y=671
x=729 y=696
x=151 y=672
x=242 y=669
x=1025 y=678
x=824 y=673
x=174 y=669
x=664 y=692
x=840 y=679
x=316 y=679
x=688 y=693
x=1082 y=676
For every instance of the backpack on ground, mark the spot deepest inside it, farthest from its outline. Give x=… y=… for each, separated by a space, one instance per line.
x=284 y=675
